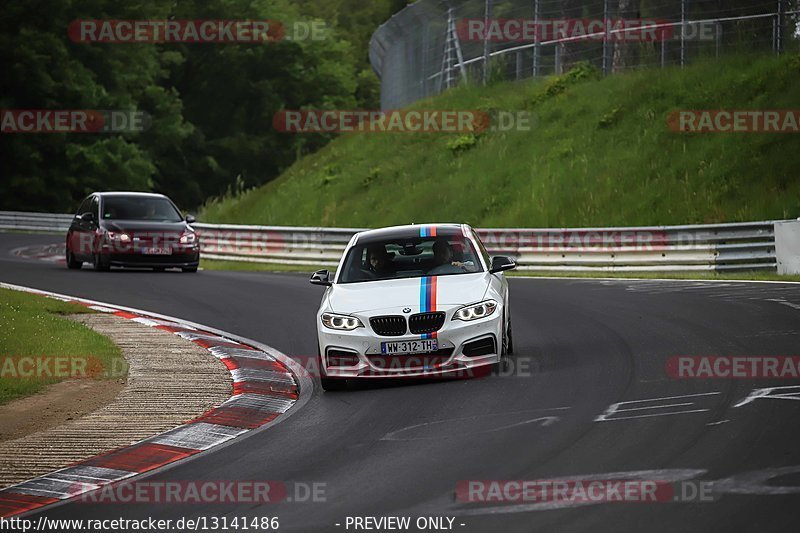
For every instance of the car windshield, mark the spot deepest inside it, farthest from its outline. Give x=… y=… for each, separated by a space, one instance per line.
x=410 y=258
x=140 y=208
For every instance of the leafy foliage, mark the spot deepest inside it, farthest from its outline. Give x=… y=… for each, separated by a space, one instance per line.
x=211 y=104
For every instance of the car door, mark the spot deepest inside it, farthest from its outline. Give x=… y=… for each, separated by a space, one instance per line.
x=82 y=230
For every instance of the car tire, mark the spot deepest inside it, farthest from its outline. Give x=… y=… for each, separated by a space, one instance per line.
x=72 y=263
x=333 y=384
x=189 y=269
x=100 y=264
x=509 y=340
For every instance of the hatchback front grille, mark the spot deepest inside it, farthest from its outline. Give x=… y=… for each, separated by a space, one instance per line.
x=426 y=322
x=389 y=326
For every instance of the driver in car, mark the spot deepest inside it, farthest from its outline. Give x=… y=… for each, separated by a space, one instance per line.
x=443 y=259
x=379 y=261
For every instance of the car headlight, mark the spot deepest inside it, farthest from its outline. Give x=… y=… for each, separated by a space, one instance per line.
x=342 y=322
x=121 y=237
x=188 y=238
x=476 y=311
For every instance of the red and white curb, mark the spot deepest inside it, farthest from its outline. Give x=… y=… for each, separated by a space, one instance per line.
x=266 y=385
x=52 y=253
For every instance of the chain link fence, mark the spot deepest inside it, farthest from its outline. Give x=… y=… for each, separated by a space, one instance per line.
x=432 y=45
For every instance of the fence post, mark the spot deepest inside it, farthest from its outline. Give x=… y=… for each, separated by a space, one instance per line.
x=487 y=15
x=519 y=65
x=606 y=39
x=683 y=32
x=663 y=51
x=718 y=37
x=779 y=44
x=557 y=58
x=536 y=50
x=775 y=34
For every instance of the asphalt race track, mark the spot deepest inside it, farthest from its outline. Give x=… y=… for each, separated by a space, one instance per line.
x=581 y=346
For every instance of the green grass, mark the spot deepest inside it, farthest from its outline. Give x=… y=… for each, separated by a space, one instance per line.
x=600 y=154
x=31 y=328
x=754 y=275
x=739 y=276
x=247 y=266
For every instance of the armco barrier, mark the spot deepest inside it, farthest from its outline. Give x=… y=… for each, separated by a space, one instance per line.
x=721 y=247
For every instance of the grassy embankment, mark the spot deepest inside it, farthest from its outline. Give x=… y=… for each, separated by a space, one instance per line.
x=599 y=154
x=35 y=340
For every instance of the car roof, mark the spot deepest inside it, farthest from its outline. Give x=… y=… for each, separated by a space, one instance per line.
x=123 y=193
x=409 y=231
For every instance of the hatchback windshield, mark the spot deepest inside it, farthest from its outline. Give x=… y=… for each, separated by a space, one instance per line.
x=410 y=258
x=140 y=208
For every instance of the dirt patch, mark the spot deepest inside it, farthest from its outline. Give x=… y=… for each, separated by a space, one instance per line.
x=55 y=405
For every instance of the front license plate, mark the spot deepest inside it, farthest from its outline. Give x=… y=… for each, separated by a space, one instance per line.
x=409 y=347
x=157 y=251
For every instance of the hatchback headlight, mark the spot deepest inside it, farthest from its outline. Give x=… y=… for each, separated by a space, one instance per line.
x=188 y=238
x=476 y=311
x=121 y=237
x=341 y=322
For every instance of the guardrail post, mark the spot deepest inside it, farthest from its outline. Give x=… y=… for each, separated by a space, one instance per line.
x=787 y=246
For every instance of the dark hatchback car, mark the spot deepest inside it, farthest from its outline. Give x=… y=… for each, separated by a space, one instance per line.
x=127 y=229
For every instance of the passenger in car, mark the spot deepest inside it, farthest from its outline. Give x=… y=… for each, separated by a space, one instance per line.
x=379 y=261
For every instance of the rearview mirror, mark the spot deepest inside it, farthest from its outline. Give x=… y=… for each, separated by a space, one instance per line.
x=190 y=219
x=87 y=217
x=501 y=263
x=321 y=277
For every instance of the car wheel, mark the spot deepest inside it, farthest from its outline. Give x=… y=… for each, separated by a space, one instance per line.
x=189 y=269
x=72 y=263
x=100 y=264
x=509 y=340
x=329 y=384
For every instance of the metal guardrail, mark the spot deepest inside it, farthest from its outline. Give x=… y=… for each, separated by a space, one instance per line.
x=720 y=247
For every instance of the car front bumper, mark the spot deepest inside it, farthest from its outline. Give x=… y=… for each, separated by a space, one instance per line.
x=454 y=338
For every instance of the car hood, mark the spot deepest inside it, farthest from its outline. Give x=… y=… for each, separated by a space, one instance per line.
x=140 y=226
x=452 y=290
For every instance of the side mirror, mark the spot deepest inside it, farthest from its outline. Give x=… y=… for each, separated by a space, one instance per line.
x=501 y=263
x=87 y=217
x=190 y=219
x=321 y=277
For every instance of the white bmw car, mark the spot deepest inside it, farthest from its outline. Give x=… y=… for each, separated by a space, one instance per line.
x=413 y=301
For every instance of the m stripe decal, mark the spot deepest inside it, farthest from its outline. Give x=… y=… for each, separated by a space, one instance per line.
x=427 y=299
x=429 y=231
